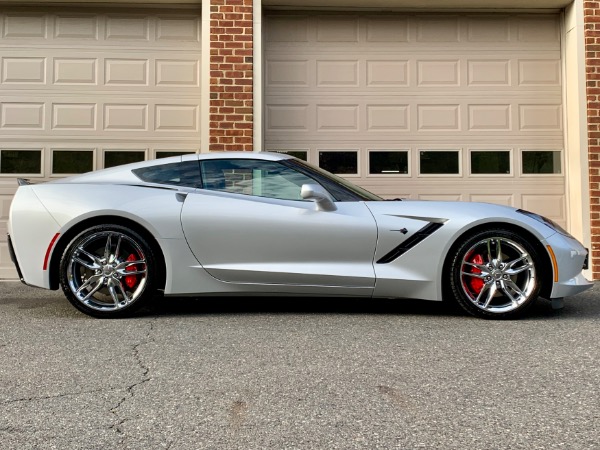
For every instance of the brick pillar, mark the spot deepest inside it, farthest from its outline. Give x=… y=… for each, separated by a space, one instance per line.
x=231 y=108
x=591 y=17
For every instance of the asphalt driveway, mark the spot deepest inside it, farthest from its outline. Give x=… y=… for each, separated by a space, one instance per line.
x=251 y=373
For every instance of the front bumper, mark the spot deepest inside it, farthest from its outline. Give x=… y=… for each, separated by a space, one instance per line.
x=13 y=257
x=571 y=260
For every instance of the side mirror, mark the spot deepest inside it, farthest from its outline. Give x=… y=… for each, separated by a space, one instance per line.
x=319 y=195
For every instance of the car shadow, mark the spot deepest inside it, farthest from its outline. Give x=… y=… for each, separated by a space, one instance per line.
x=181 y=306
x=169 y=306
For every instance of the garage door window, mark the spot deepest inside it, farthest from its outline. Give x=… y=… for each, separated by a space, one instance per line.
x=439 y=162
x=541 y=162
x=66 y=162
x=490 y=162
x=116 y=158
x=388 y=162
x=169 y=153
x=300 y=154
x=27 y=162
x=339 y=162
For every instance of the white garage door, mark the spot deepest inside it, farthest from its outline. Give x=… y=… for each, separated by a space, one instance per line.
x=87 y=89
x=454 y=106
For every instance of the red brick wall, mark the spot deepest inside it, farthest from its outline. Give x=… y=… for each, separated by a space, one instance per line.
x=231 y=113
x=592 y=55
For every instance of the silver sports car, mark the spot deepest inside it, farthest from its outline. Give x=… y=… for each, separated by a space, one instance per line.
x=270 y=224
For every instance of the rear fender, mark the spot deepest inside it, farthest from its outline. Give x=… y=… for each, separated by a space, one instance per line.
x=32 y=230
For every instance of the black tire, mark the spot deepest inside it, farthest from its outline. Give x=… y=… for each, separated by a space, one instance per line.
x=494 y=274
x=108 y=271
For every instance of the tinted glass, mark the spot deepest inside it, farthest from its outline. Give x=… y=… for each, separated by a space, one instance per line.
x=497 y=162
x=180 y=174
x=388 y=162
x=343 y=163
x=21 y=161
x=541 y=161
x=117 y=158
x=442 y=162
x=72 y=161
x=253 y=177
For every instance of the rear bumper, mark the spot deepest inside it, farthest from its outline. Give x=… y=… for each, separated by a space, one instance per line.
x=13 y=257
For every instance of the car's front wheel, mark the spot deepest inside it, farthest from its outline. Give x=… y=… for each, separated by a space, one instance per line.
x=108 y=271
x=495 y=274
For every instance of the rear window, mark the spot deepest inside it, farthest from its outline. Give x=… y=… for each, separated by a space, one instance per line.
x=178 y=174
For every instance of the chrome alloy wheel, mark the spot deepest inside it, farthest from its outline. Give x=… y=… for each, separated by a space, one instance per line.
x=497 y=275
x=107 y=271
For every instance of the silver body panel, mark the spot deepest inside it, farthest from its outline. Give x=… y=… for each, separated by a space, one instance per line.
x=218 y=243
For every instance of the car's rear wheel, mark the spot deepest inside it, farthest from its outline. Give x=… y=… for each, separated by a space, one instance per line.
x=108 y=271
x=495 y=274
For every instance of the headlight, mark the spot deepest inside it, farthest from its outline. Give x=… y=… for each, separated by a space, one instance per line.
x=552 y=224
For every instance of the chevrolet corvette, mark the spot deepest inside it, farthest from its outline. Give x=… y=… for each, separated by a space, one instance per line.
x=270 y=224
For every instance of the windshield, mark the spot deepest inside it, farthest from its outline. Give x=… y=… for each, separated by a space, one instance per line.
x=341 y=189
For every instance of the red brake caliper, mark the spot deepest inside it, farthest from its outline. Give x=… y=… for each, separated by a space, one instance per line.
x=476 y=283
x=130 y=280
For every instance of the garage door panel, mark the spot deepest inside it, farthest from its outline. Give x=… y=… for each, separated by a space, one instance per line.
x=104 y=71
x=75 y=26
x=178 y=29
x=390 y=117
x=385 y=29
x=386 y=74
x=402 y=31
x=23 y=70
x=75 y=71
x=463 y=75
x=343 y=28
x=167 y=29
x=23 y=26
x=484 y=28
x=67 y=117
x=22 y=115
x=423 y=116
x=74 y=116
x=551 y=206
x=538 y=28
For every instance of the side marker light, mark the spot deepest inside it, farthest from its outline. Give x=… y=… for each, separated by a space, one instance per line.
x=52 y=242
x=554 y=263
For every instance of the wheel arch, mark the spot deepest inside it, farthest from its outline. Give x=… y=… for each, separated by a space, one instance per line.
x=546 y=263
x=66 y=238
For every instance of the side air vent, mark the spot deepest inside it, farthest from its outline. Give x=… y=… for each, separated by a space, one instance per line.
x=427 y=230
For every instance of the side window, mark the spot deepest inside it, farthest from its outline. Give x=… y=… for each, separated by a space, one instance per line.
x=253 y=177
x=179 y=174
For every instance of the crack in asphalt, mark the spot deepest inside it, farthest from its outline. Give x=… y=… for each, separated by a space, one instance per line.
x=48 y=397
x=129 y=390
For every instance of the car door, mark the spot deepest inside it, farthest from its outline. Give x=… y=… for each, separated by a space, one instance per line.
x=250 y=225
